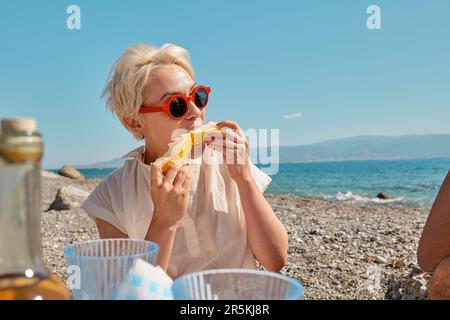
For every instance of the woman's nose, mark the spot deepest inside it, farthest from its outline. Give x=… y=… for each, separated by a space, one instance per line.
x=193 y=111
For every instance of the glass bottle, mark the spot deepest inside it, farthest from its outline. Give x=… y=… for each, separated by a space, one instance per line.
x=22 y=272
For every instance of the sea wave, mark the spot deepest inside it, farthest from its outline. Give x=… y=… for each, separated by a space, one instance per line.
x=351 y=197
x=428 y=186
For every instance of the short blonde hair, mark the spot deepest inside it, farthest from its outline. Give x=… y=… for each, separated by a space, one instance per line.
x=124 y=90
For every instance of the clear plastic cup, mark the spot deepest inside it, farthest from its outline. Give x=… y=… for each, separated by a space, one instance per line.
x=236 y=284
x=97 y=268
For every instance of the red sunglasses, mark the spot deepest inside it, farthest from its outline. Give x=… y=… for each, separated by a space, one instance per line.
x=178 y=104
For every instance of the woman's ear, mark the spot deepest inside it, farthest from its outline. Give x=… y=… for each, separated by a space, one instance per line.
x=134 y=124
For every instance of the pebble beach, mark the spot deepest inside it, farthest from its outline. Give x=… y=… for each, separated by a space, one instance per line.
x=336 y=250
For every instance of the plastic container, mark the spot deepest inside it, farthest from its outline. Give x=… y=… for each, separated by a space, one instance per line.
x=236 y=284
x=97 y=268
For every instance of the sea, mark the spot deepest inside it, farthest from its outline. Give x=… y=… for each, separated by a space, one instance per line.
x=408 y=183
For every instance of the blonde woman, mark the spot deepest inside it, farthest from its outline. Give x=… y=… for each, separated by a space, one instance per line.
x=203 y=215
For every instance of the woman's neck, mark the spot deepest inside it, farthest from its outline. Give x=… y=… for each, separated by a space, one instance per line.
x=151 y=153
x=149 y=156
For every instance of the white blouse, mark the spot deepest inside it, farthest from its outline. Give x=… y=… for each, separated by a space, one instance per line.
x=211 y=235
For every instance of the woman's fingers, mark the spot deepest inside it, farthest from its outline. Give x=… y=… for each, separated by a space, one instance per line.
x=172 y=172
x=225 y=137
x=184 y=172
x=156 y=170
x=175 y=176
x=224 y=144
x=211 y=136
x=228 y=137
x=232 y=125
x=233 y=136
x=187 y=181
x=232 y=153
x=229 y=124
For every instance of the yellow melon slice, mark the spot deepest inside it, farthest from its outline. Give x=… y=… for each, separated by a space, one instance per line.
x=181 y=147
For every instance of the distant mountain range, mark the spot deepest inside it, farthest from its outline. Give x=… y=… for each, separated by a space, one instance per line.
x=355 y=148
x=371 y=148
x=114 y=163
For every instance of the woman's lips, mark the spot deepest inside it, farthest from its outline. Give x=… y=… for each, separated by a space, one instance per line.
x=192 y=125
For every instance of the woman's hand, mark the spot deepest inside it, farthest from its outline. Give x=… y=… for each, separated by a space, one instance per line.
x=170 y=192
x=266 y=234
x=234 y=147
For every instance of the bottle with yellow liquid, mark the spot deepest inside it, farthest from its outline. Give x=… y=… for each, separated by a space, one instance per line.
x=22 y=272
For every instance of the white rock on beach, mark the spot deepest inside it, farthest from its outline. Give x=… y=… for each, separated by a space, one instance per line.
x=72 y=173
x=380 y=259
x=49 y=174
x=68 y=197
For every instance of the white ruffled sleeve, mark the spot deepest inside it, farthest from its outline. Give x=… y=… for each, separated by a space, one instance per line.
x=262 y=180
x=100 y=202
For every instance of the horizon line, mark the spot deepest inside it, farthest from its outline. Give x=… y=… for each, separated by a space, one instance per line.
x=285 y=162
x=307 y=144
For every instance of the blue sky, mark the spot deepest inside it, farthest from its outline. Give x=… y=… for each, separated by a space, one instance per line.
x=263 y=59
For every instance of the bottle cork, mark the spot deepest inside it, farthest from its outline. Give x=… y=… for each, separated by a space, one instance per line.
x=19 y=140
x=18 y=125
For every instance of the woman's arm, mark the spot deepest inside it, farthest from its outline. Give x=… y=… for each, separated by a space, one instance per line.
x=266 y=234
x=170 y=196
x=164 y=236
x=434 y=244
x=107 y=230
x=158 y=232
